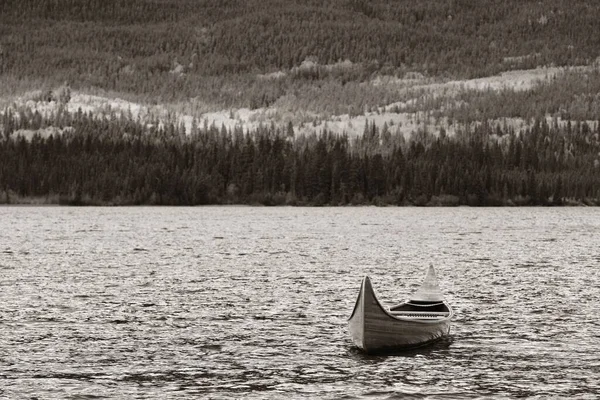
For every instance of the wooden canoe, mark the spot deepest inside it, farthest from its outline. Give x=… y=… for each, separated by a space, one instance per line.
x=422 y=320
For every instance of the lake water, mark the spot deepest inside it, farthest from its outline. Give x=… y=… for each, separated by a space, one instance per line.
x=245 y=302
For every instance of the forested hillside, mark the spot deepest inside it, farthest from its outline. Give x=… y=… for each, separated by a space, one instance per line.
x=177 y=49
x=441 y=128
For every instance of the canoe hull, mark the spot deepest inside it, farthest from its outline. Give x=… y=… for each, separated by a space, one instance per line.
x=374 y=330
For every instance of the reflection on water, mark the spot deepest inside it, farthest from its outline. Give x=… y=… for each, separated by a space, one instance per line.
x=229 y=302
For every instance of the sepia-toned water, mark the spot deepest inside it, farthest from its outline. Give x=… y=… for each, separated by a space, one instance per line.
x=250 y=302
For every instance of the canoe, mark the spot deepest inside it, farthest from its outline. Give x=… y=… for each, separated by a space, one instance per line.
x=421 y=320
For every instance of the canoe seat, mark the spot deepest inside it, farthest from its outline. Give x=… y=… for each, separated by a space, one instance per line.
x=420 y=314
x=412 y=303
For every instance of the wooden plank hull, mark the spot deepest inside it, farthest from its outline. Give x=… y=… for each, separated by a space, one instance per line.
x=374 y=329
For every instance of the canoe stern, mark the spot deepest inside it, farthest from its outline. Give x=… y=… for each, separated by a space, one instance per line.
x=356 y=323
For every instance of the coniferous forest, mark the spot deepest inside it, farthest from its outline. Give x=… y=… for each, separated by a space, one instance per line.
x=315 y=57
x=118 y=161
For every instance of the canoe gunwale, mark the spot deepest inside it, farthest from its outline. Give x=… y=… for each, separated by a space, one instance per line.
x=412 y=319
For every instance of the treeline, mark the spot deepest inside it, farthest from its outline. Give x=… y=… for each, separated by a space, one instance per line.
x=179 y=49
x=118 y=160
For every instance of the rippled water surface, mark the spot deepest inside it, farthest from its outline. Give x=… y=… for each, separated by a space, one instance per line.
x=232 y=302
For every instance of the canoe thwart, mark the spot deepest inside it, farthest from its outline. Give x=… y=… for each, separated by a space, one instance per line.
x=417 y=314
